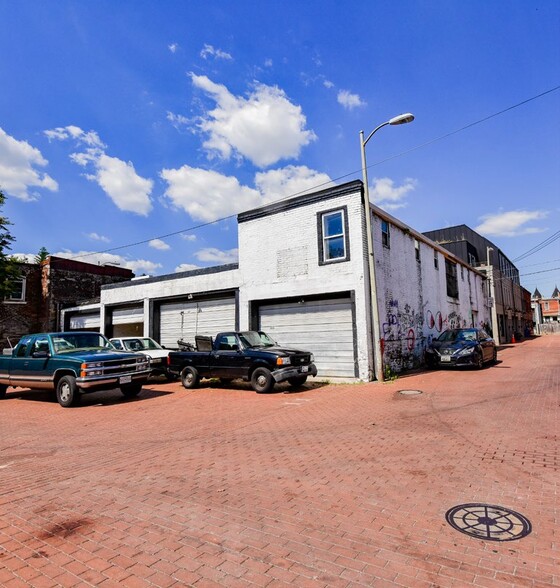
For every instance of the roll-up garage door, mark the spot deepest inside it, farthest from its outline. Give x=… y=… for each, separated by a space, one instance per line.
x=184 y=320
x=323 y=327
x=128 y=321
x=90 y=321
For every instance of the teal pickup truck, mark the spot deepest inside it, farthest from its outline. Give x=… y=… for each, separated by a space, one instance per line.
x=71 y=364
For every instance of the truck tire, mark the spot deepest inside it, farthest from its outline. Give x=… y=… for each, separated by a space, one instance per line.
x=3 y=389
x=297 y=381
x=131 y=390
x=190 y=378
x=67 y=391
x=262 y=380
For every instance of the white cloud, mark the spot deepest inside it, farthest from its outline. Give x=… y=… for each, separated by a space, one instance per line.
x=89 y=138
x=264 y=128
x=188 y=237
x=18 y=160
x=349 y=100
x=510 y=224
x=290 y=181
x=208 y=195
x=210 y=51
x=128 y=190
x=268 y=63
x=178 y=120
x=173 y=47
x=118 y=179
x=96 y=237
x=328 y=84
x=211 y=254
x=159 y=244
x=185 y=267
x=385 y=194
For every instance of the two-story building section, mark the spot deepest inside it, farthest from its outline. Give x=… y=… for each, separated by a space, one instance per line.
x=302 y=276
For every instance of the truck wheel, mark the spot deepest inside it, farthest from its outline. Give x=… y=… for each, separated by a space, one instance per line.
x=189 y=378
x=67 y=392
x=262 y=380
x=131 y=390
x=297 y=381
x=3 y=389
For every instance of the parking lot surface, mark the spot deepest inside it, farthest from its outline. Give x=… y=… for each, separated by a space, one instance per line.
x=333 y=485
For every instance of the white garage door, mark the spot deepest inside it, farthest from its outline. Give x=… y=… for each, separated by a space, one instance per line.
x=323 y=327
x=85 y=321
x=126 y=316
x=184 y=320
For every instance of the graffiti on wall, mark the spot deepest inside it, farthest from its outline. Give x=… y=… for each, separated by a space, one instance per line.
x=407 y=332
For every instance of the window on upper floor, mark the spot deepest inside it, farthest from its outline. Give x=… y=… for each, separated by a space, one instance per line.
x=451 y=279
x=385 y=235
x=547 y=305
x=333 y=236
x=18 y=291
x=417 y=249
x=436 y=260
x=471 y=259
x=462 y=273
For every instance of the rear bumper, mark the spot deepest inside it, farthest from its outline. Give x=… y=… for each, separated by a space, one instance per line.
x=286 y=373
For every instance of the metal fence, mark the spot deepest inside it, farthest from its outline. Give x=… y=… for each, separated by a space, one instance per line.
x=549 y=328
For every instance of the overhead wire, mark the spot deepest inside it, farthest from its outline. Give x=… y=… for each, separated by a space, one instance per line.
x=390 y=158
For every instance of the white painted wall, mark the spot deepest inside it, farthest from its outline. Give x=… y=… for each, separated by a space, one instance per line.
x=413 y=304
x=279 y=258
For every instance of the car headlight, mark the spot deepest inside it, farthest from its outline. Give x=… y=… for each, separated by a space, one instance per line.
x=311 y=357
x=283 y=360
x=466 y=351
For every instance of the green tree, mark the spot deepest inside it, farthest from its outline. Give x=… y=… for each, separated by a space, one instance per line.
x=42 y=255
x=9 y=268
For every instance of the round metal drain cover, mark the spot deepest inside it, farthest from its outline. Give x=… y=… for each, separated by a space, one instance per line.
x=489 y=522
x=410 y=392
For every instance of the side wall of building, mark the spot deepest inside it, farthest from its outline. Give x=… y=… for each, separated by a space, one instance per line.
x=414 y=307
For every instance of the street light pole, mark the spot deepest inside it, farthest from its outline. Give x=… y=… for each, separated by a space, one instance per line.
x=375 y=326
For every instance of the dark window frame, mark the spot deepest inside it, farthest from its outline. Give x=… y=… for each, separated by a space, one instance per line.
x=451 y=280
x=321 y=237
x=436 y=260
x=417 y=250
x=385 y=234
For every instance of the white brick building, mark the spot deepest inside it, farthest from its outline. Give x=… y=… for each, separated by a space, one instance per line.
x=303 y=277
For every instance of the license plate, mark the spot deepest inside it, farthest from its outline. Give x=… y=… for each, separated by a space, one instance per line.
x=125 y=379
x=445 y=358
x=304 y=368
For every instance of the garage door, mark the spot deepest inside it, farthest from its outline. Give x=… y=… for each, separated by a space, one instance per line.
x=184 y=320
x=90 y=321
x=323 y=327
x=128 y=322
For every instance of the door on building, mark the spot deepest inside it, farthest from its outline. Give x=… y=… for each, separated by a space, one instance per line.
x=324 y=326
x=186 y=319
x=127 y=322
x=85 y=322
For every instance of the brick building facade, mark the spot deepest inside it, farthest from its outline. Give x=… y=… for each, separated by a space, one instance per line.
x=44 y=289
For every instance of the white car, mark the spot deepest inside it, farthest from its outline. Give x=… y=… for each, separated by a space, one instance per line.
x=147 y=346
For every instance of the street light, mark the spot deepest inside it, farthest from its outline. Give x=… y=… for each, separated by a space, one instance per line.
x=374 y=322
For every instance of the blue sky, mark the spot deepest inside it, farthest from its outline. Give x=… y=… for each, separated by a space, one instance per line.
x=122 y=122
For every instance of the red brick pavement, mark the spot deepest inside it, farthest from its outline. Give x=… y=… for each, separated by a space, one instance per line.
x=343 y=485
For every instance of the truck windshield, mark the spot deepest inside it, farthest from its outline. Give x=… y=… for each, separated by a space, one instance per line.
x=256 y=339
x=68 y=342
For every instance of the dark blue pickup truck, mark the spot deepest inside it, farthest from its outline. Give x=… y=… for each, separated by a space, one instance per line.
x=250 y=355
x=71 y=364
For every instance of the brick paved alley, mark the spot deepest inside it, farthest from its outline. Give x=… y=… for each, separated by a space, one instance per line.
x=339 y=485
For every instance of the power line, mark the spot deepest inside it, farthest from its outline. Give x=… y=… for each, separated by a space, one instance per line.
x=538 y=247
x=402 y=153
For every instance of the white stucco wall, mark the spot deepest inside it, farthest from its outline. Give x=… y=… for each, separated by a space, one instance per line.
x=413 y=304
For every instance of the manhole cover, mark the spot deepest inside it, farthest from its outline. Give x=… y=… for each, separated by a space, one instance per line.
x=410 y=392
x=487 y=521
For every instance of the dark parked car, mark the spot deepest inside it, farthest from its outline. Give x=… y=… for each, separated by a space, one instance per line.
x=461 y=347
